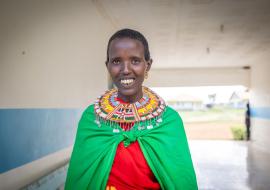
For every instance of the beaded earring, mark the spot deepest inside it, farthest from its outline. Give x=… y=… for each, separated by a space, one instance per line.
x=146 y=75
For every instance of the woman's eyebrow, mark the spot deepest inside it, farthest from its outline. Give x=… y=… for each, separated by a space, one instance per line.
x=135 y=57
x=114 y=58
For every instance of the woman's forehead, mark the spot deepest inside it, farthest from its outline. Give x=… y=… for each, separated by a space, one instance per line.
x=119 y=44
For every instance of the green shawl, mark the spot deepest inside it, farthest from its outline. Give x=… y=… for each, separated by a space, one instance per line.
x=164 y=146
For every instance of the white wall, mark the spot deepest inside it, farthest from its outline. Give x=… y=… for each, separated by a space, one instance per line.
x=260 y=100
x=198 y=77
x=52 y=53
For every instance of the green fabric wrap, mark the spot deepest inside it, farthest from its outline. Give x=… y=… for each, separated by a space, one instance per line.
x=164 y=146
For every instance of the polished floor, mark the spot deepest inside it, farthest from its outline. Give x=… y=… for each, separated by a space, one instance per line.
x=230 y=165
x=219 y=165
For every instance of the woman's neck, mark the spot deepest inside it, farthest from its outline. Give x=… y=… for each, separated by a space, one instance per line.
x=131 y=99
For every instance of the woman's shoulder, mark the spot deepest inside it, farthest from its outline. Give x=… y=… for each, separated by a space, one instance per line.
x=87 y=118
x=172 y=113
x=171 y=110
x=90 y=107
x=168 y=111
x=89 y=110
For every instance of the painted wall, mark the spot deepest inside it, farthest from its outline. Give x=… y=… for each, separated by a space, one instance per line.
x=52 y=53
x=198 y=77
x=260 y=106
x=52 y=56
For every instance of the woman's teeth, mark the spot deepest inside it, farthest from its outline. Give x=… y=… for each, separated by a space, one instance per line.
x=126 y=81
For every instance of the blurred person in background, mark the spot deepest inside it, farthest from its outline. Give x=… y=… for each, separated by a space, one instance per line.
x=247 y=121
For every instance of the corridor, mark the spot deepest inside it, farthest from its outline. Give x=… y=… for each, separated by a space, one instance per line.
x=52 y=68
x=229 y=165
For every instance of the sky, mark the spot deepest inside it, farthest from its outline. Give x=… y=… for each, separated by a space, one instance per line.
x=223 y=93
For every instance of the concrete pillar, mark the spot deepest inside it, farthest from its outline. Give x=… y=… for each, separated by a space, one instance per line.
x=260 y=106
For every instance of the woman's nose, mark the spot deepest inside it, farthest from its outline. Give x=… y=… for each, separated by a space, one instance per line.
x=126 y=67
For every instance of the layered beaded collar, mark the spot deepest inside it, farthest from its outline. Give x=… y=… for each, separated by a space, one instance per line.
x=108 y=108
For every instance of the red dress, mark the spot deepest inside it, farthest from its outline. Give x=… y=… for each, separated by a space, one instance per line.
x=130 y=169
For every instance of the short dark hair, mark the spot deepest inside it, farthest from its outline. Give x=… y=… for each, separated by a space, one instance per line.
x=132 y=34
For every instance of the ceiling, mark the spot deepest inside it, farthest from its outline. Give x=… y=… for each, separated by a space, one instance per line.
x=196 y=33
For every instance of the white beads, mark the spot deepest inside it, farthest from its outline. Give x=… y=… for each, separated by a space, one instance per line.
x=149 y=127
x=141 y=128
x=116 y=130
x=98 y=123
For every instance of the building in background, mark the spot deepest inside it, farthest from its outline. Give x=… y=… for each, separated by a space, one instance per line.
x=186 y=102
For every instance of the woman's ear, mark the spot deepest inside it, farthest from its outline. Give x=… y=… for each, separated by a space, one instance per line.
x=107 y=66
x=149 y=64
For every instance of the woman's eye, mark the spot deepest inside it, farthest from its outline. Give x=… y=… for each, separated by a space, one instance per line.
x=135 y=61
x=116 y=62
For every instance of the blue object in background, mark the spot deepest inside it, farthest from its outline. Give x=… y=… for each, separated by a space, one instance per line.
x=29 y=134
x=260 y=112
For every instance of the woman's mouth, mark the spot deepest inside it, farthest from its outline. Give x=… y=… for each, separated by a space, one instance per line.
x=127 y=82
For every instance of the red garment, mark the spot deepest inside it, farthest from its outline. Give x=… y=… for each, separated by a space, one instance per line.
x=130 y=169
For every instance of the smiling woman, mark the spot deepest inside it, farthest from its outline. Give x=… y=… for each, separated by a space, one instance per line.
x=128 y=65
x=129 y=139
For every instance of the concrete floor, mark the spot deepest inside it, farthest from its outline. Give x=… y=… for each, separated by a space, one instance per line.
x=219 y=165
x=230 y=165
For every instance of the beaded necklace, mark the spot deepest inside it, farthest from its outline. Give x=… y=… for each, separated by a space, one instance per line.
x=146 y=112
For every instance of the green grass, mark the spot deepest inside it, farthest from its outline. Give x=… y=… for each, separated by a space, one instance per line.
x=231 y=119
x=239 y=132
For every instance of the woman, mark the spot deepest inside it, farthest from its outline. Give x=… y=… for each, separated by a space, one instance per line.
x=129 y=139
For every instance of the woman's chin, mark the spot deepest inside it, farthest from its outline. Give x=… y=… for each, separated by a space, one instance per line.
x=129 y=93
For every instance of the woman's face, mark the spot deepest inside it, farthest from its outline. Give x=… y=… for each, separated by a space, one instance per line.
x=127 y=67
